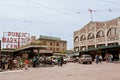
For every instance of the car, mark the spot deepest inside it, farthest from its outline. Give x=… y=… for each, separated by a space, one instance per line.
x=54 y=60
x=86 y=58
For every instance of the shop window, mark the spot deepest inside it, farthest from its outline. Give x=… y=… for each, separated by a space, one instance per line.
x=113 y=44
x=100 y=45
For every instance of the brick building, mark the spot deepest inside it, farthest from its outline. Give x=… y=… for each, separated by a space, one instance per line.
x=54 y=43
x=99 y=37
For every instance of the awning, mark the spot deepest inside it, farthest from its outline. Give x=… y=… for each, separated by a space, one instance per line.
x=101 y=47
x=76 y=53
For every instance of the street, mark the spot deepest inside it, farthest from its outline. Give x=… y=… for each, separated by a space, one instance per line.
x=69 y=71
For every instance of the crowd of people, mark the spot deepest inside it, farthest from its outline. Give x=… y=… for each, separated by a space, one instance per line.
x=99 y=58
x=11 y=63
x=18 y=63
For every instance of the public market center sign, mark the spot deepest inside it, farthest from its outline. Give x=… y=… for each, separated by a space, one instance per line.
x=13 y=40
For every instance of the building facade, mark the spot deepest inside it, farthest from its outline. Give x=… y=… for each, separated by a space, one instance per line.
x=54 y=43
x=99 y=37
x=45 y=45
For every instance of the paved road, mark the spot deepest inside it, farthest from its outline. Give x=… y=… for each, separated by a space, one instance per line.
x=70 y=71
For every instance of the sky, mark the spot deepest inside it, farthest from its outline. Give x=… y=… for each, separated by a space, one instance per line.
x=58 y=18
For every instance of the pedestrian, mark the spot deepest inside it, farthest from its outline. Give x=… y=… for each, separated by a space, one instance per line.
x=34 y=62
x=96 y=58
x=26 y=63
x=15 y=63
x=20 y=62
x=58 y=61
x=61 y=61
x=10 y=63
x=110 y=57
x=100 y=59
x=0 y=64
x=6 y=63
x=3 y=63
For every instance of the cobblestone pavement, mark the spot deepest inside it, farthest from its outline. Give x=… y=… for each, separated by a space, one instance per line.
x=70 y=71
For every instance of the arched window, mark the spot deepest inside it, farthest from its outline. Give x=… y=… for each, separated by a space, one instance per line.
x=100 y=34
x=112 y=32
x=90 y=36
x=83 y=37
x=76 y=39
x=76 y=48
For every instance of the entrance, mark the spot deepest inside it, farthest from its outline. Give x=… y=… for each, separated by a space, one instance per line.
x=115 y=54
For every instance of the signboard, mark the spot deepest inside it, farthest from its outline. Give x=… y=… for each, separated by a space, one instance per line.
x=13 y=40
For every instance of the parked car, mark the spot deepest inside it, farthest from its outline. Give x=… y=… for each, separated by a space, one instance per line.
x=54 y=60
x=86 y=58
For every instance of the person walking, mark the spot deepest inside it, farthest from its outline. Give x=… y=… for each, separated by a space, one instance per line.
x=61 y=61
x=110 y=57
x=20 y=62
x=34 y=62
x=6 y=63
x=58 y=61
x=96 y=58
x=100 y=59
x=26 y=62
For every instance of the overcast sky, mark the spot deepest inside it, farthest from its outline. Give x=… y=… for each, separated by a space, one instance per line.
x=59 y=18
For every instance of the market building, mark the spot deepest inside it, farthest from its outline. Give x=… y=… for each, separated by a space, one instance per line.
x=43 y=46
x=99 y=38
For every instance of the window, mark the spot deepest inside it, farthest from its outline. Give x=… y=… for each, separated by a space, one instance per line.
x=51 y=43
x=90 y=36
x=57 y=49
x=50 y=48
x=112 y=32
x=113 y=44
x=82 y=38
x=100 y=45
x=57 y=44
x=76 y=39
x=76 y=48
x=83 y=47
x=100 y=34
x=91 y=46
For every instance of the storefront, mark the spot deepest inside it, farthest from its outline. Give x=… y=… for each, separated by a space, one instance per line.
x=106 y=50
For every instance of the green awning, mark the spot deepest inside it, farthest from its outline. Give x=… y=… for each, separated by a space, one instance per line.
x=101 y=47
x=107 y=47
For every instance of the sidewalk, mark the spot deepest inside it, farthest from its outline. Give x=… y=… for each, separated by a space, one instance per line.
x=11 y=71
